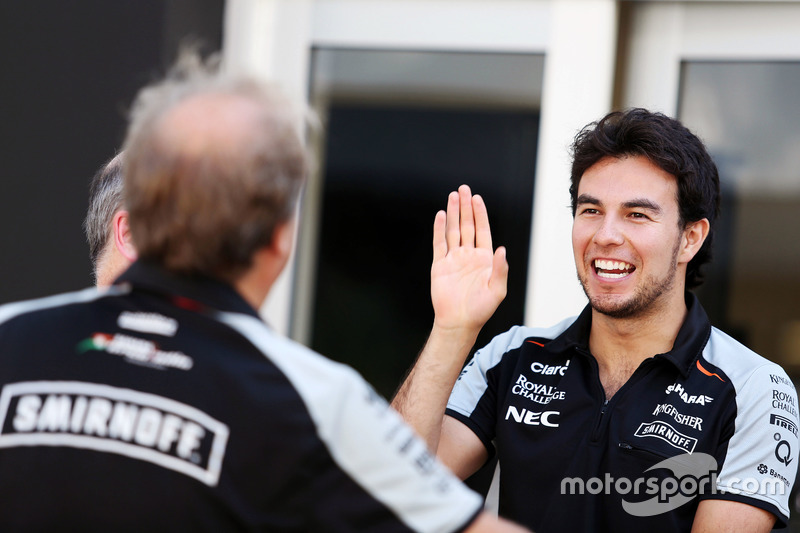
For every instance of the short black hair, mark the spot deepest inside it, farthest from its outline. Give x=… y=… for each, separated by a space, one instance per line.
x=669 y=145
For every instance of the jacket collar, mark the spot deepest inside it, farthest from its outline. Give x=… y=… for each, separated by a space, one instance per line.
x=689 y=344
x=198 y=293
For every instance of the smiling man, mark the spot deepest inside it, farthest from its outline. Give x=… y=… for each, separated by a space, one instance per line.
x=637 y=415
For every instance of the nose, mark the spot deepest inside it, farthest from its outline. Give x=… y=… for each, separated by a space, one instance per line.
x=609 y=232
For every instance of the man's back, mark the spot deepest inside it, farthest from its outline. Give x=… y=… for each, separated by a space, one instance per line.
x=165 y=404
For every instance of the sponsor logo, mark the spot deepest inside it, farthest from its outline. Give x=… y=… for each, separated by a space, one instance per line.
x=136 y=350
x=542 y=394
x=532 y=418
x=548 y=370
x=784 y=401
x=694 y=422
x=466 y=368
x=783 y=451
x=668 y=434
x=678 y=389
x=142 y=426
x=783 y=422
x=780 y=380
x=762 y=468
x=148 y=323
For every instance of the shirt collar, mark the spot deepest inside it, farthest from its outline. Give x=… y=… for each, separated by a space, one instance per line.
x=191 y=292
x=692 y=337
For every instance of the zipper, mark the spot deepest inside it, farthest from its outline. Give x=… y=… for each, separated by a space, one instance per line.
x=607 y=406
x=631 y=448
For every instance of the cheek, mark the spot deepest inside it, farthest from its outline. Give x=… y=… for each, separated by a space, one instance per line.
x=581 y=236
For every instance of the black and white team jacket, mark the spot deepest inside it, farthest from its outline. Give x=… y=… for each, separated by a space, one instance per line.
x=709 y=419
x=166 y=404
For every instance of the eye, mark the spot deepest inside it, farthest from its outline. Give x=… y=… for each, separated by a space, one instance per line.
x=589 y=211
x=639 y=216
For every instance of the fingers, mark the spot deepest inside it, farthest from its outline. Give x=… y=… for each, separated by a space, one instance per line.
x=466 y=223
x=483 y=235
x=467 y=217
x=453 y=232
x=439 y=241
x=498 y=281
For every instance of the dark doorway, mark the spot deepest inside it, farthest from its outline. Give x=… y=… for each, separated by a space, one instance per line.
x=388 y=170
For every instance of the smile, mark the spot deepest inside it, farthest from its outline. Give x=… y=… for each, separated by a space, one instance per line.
x=612 y=269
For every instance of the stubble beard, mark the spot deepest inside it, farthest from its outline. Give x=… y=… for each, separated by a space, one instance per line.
x=644 y=300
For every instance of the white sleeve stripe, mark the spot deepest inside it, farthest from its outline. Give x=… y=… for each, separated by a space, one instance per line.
x=368 y=440
x=11 y=310
x=472 y=383
x=755 y=441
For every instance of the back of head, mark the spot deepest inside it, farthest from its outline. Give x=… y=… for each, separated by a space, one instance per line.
x=670 y=146
x=105 y=199
x=214 y=163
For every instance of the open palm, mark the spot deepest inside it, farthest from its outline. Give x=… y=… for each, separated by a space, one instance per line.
x=468 y=279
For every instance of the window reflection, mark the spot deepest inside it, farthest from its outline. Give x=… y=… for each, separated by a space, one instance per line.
x=748 y=114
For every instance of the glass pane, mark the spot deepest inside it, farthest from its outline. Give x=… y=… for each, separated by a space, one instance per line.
x=748 y=114
x=401 y=130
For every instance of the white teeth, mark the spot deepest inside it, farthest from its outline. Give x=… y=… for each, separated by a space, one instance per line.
x=603 y=264
x=610 y=275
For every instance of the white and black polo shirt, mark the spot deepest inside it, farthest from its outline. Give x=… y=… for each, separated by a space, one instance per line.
x=709 y=419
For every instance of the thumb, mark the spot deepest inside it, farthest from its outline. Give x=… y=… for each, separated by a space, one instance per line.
x=498 y=282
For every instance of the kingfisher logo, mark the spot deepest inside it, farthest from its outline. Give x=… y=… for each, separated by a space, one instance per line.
x=108 y=419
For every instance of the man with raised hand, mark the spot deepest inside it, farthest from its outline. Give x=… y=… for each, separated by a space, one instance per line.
x=637 y=415
x=164 y=403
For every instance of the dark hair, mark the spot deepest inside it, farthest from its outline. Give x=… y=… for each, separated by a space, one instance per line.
x=670 y=146
x=105 y=199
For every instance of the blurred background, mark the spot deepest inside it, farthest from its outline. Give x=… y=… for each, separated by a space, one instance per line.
x=414 y=98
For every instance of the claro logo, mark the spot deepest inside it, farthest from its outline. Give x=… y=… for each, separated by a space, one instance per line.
x=548 y=370
x=533 y=418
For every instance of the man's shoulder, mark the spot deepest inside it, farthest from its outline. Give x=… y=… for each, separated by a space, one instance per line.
x=736 y=360
x=29 y=308
x=517 y=336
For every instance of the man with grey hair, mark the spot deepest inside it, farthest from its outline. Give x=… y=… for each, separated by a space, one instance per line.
x=106 y=224
x=165 y=403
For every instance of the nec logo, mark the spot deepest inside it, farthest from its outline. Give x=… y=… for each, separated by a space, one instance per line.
x=532 y=418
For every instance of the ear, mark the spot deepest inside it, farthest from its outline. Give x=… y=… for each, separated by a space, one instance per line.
x=122 y=235
x=283 y=238
x=694 y=235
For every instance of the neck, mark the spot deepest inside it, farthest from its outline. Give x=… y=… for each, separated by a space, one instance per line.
x=256 y=282
x=629 y=341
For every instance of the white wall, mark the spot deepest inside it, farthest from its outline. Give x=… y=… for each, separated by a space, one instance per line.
x=274 y=38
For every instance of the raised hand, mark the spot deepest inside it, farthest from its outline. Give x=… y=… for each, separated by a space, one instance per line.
x=468 y=278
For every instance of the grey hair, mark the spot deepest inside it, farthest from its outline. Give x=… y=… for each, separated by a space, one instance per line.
x=105 y=199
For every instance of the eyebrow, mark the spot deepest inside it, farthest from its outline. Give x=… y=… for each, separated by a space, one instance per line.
x=636 y=203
